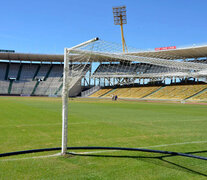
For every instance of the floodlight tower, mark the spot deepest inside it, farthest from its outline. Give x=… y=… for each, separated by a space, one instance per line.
x=120 y=19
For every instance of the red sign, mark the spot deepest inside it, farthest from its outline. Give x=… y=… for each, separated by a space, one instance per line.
x=165 y=48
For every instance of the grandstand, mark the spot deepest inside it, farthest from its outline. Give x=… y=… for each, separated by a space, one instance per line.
x=169 y=92
x=36 y=79
x=100 y=93
x=133 y=92
x=177 y=92
x=173 y=74
x=202 y=96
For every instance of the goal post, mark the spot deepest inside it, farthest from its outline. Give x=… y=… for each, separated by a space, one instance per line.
x=65 y=92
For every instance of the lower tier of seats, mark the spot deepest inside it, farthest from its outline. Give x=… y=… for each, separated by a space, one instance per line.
x=177 y=92
x=133 y=92
x=201 y=96
x=100 y=92
x=171 y=92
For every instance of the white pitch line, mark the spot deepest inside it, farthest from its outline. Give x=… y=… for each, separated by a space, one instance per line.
x=162 y=145
x=35 y=157
x=30 y=125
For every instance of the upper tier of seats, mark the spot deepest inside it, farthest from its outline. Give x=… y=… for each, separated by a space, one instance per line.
x=131 y=69
x=3 y=68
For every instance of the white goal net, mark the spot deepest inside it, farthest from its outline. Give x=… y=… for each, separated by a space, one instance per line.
x=115 y=64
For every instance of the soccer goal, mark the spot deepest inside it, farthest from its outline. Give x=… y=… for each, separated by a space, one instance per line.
x=126 y=66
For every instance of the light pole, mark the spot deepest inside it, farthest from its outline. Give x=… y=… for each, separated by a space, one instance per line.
x=120 y=19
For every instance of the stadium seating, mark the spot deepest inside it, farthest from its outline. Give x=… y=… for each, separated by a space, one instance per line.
x=28 y=87
x=159 y=69
x=36 y=79
x=115 y=68
x=44 y=69
x=26 y=84
x=46 y=80
x=51 y=83
x=28 y=71
x=27 y=78
x=138 y=68
x=178 y=92
x=13 y=70
x=4 y=86
x=175 y=92
x=133 y=92
x=200 y=97
x=120 y=92
x=100 y=92
x=3 y=67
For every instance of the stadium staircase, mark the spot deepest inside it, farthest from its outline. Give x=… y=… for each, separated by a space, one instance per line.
x=90 y=91
x=38 y=82
x=19 y=72
x=117 y=91
x=177 y=92
x=7 y=71
x=10 y=86
x=199 y=94
x=48 y=73
x=38 y=68
x=153 y=92
x=35 y=87
x=101 y=92
x=56 y=93
x=111 y=91
x=133 y=92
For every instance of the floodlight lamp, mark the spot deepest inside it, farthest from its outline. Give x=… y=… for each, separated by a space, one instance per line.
x=119 y=15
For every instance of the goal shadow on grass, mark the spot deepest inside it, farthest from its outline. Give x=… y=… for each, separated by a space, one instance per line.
x=158 y=160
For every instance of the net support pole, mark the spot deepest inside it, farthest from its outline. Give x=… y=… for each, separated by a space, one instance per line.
x=65 y=93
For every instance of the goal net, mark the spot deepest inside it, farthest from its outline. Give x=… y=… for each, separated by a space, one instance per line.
x=112 y=63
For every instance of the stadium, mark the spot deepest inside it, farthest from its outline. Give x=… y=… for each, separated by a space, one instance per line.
x=150 y=78
x=41 y=75
x=102 y=110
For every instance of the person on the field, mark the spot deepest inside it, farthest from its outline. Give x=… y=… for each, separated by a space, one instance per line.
x=112 y=97
x=116 y=97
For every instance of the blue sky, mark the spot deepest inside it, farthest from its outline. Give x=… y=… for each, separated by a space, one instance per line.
x=44 y=26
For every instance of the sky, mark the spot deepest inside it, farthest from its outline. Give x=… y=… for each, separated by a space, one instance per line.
x=44 y=26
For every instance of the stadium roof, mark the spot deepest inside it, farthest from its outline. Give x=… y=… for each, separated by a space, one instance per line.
x=180 y=53
x=32 y=57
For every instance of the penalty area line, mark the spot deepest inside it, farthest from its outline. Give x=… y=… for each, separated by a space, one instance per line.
x=34 y=157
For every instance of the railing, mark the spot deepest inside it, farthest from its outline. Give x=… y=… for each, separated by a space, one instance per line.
x=90 y=91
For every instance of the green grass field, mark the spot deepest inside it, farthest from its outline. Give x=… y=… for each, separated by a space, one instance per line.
x=33 y=122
